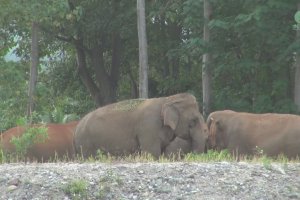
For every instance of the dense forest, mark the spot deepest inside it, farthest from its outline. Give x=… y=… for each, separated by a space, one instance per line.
x=89 y=55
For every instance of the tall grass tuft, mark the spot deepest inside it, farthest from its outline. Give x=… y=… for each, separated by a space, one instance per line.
x=77 y=189
x=210 y=156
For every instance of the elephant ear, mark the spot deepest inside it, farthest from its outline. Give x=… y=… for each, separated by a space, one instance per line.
x=170 y=116
x=209 y=121
x=170 y=113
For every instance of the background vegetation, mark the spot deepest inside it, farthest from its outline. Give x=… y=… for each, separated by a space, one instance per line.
x=253 y=45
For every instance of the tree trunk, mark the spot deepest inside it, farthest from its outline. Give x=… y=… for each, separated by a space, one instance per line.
x=297 y=72
x=206 y=65
x=133 y=86
x=102 y=76
x=104 y=88
x=143 y=54
x=84 y=74
x=33 y=70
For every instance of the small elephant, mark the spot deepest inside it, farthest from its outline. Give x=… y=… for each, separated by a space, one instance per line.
x=141 y=125
x=178 y=148
x=247 y=133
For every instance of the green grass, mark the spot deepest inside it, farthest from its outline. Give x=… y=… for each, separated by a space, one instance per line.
x=76 y=189
x=3 y=156
x=210 y=156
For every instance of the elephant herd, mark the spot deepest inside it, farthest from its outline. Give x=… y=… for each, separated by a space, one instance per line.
x=164 y=126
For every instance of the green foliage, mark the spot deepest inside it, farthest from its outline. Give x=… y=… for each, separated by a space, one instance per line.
x=57 y=116
x=31 y=136
x=252 y=45
x=13 y=93
x=77 y=189
x=58 y=98
x=102 y=157
x=297 y=17
x=266 y=162
x=21 y=121
x=249 y=63
x=3 y=157
x=61 y=89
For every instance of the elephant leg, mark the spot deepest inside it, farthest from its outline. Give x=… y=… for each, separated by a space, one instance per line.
x=150 y=145
x=179 y=147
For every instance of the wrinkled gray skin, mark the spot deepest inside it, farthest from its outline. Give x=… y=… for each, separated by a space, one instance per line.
x=146 y=126
x=178 y=148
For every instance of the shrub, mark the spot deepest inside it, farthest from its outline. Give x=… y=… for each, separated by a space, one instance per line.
x=77 y=189
x=31 y=136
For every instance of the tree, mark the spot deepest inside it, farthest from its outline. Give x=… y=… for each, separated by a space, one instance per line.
x=297 y=62
x=143 y=54
x=206 y=65
x=13 y=92
x=252 y=43
x=33 y=70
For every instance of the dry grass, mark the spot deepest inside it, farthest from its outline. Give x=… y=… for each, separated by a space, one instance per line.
x=210 y=156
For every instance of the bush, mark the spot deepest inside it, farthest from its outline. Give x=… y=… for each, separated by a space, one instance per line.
x=77 y=189
x=31 y=136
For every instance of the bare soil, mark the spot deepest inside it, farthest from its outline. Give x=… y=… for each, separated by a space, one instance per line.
x=175 y=180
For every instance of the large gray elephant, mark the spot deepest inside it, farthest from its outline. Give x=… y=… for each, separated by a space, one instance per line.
x=247 y=133
x=141 y=125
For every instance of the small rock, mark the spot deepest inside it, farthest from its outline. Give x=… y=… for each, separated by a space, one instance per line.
x=159 y=182
x=279 y=169
x=191 y=176
x=265 y=175
x=15 y=182
x=92 y=183
x=11 y=188
x=294 y=195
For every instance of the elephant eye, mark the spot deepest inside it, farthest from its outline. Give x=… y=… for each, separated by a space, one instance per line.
x=193 y=122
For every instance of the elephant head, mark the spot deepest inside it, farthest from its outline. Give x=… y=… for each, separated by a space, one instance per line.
x=211 y=140
x=180 y=113
x=216 y=136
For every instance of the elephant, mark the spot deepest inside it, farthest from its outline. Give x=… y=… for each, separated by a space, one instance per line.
x=178 y=148
x=141 y=125
x=59 y=143
x=248 y=134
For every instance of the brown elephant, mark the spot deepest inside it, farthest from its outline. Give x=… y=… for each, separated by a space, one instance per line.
x=141 y=125
x=247 y=133
x=178 y=148
x=58 y=144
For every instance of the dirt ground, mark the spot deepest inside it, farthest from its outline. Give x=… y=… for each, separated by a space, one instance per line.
x=175 y=180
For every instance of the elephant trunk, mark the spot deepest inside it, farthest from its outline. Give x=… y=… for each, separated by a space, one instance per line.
x=199 y=141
